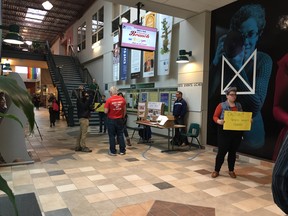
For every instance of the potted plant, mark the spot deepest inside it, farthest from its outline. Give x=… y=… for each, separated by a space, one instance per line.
x=21 y=99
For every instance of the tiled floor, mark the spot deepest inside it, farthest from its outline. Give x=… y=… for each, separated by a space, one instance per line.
x=145 y=181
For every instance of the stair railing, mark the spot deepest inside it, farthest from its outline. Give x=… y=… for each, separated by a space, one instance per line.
x=84 y=72
x=59 y=79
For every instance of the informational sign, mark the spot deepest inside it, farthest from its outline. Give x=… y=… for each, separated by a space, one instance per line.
x=135 y=63
x=124 y=64
x=240 y=121
x=142 y=110
x=99 y=108
x=154 y=110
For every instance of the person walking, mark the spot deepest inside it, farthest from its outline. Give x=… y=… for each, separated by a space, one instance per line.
x=115 y=108
x=228 y=140
x=53 y=109
x=179 y=112
x=83 y=111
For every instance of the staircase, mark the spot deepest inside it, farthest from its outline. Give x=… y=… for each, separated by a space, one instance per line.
x=66 y=77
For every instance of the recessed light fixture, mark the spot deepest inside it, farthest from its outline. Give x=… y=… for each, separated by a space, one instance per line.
x=29 y=43
x=47 y=5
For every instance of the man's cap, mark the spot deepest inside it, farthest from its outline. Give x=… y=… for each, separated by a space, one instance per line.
x=234 y=89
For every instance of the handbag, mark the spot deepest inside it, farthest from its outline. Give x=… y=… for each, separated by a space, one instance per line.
x=55 y=106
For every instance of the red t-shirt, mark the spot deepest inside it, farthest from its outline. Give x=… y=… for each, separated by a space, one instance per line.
x=116 y=106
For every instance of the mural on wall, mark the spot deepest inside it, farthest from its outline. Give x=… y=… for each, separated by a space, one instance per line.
x=245 y=49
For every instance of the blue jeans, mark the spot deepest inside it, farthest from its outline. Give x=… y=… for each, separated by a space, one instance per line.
x=115 y=128
x=102 y=120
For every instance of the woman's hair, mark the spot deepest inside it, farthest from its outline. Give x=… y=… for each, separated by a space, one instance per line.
x=113 y=90
x=247 y=11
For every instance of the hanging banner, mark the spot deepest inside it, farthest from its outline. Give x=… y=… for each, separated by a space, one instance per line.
x=148 y=71
x=164 y=43
x=135 y=63
x=32 y=73
x=116 y=58
x=124 y=64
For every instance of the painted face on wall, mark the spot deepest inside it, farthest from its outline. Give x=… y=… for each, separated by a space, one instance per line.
x=250 y=32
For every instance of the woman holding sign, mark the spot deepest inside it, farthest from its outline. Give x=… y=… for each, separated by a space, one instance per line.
x=228 y=140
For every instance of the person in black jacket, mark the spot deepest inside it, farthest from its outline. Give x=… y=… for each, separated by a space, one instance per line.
x=83 y=111
x=179 y=112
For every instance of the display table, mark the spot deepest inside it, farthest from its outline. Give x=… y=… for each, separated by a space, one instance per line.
x=170 y=127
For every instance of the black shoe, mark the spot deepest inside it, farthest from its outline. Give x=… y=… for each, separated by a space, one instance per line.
x=50 y=125
x=78 y=148
x=53 y=124
x=86 y=149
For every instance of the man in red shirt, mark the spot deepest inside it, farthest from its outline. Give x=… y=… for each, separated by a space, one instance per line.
x=115 y=108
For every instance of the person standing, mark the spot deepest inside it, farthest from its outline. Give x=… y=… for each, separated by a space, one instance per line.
x=280 y=111
x=228 y=140
x=83 y=111
x=128 y=141
x=179 y=112
x=102 y=115
x=115 y=108
x=94 y=91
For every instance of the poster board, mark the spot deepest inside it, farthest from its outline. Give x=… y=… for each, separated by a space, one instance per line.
x=164 y=98
x=100 y=108
x=240 y=121
x=142 y=110
x=154 y=110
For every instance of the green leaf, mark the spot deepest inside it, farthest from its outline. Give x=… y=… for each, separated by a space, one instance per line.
x=20 y=98
x=5 y=188
x=11 y=117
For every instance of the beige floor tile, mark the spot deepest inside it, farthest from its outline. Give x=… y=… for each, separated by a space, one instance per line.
x=148 y=188
x=107 y=188
x=51 y=202
x=82 y=182
x=64 y=188
x=252 y=204
x=221 y=190
x=96 y=197
x=42 y=183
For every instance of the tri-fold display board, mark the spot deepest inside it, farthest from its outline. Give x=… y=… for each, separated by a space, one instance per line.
x=150 y=110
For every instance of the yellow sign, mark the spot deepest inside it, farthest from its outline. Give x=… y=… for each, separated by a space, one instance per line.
x=240 y=121
x=99 y=108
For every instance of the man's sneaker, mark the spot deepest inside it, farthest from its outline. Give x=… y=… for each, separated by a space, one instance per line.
x=122 y=153
x=112 y=154
x=78 y=148
x=86 y=149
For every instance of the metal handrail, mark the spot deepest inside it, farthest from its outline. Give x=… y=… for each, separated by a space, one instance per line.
x=84 y=72
x=59 y=78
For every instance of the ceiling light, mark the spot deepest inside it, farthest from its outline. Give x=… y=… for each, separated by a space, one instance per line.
x=29 y=43
x=13 y=36
x=47 y=5
x=35 y=15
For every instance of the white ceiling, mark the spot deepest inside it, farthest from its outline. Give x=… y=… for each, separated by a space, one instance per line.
x=178 y=8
